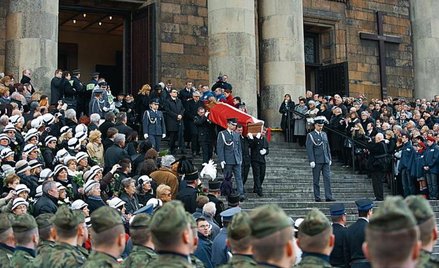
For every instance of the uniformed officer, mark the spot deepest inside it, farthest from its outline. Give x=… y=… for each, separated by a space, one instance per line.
x=188 y=195
x=154 y=126
x=392 y=236
x=220 y=251
x=172 y=236
x=319 y=156
x=46 y=233
x=272 y=237
x=7 y=240
x=355 y=235
x=239 y=241
x=214 y=193
x=26 y=238
x=229 y=151
x=426 y=221
x=143 y=248
x=338 y=217
x=65 y=252
x=315 y=239
x=87 y=95
x=109 y=239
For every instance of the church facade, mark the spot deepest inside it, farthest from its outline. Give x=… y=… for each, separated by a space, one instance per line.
x=268 y=48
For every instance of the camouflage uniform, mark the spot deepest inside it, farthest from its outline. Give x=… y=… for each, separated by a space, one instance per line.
x=311 y=261
x=240 y=261
x=426 y=260
x=196 y=262
x=101 y=260
x=83 y=251
x=45 y=247
x=140 y=256
x=62 y=255
x=22 y=256
x=6 y=251
x=170 y=260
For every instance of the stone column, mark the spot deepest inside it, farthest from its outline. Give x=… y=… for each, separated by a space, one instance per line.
x=232 y=47
x=425 y=25
x=282 y=60
x=32 y=40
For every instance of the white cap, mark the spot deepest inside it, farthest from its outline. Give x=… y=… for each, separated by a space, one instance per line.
x=29 y=148
x=19 y=201
x=144 y=179
x=78 y=204
x=89 y=185
x=81 y=155
x=45 y=174
x=6 y=152
x=60 y=186
x=116 y=202
x=154 y=202
x=36 y=123
x=21 y=188
x=39 y=191
x=48 y=119
x=68 y=158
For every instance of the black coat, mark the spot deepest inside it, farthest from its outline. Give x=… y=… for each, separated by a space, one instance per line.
x=55 y=90
x=338 y=254
x=124 y=129
x=103 y=128
x=246 y=160
x=45 y=204
x=94 y=204
x=113 y=155
x=185 y=96
x=219 y=205
x=204 y=129
x=188 y=196
x=173 y=108
x=286 y=109
x=68 y=90
x=142 y=104
x=132 y=204
x=77 y=85
x=355 y=239
x=256 y=145
x=49 y=157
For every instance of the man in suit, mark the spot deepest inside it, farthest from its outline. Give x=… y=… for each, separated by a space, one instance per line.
x=319 y=156
x=205 y=133
x=356 y=235
x=188 y=195
x=259 y=149
x=228 y=146
x=116 y=152
x=174 y=121
x=338 y=217
x=154 y=124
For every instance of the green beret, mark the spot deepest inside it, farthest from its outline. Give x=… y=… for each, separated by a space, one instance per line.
x=169 y=219
x=267 y=220
x=44 y=220
x=240 y=227
x=392 y=215
x=24 y=223
x=105 y=218
x=140 y=221
x=314 y=223
x=420 y=208
x=5 y=223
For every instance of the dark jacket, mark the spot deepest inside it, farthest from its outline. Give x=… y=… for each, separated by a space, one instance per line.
x=286 y=109
x=204 y=129
x=113 y=155
x=94 y=203
x=173 y=108
x=68 y=90
x=188 y=196
x=103 y=128
x=204 y=250
x=45 y=204
x=355 y=239
x=55 y=90
x=432 y=158
x=132 y=203
x=337 y=257
x=124 y=129
x=256 y=146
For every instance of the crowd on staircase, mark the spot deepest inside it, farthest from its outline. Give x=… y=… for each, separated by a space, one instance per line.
x=393 y=140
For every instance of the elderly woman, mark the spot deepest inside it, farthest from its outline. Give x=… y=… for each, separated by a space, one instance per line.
x=144 y=189
x=129 y=195
x=19 y=206
x=300 y=122
x=93 y=198
x=95 y=148
x=164 y=193
x=10 y=182
x=66 y=134
x=165 y=175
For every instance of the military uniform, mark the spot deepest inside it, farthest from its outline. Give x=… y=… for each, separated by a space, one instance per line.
x=153 y=124
x=140 y=256
x=240 y=261
x=6 y=251
x=214 y=186
x=44 y=221
x=196 y=262
x=314 y=261
x=338 y=256
x=171 y=260
x=45 y=247
x=220 y=251
x=426 y=260
x=100 y=260
x=23 y=256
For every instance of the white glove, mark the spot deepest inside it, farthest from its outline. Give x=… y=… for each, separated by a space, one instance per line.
x=145 y=135
x=262 y=151
x=163 y=135
x=250 y=136
x=258 y=136
x=206 y=114
x=223 y=163
x=312 y=164
x=330 y=162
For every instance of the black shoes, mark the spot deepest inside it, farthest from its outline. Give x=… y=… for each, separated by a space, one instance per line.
x=318 y=200
x=330 y=200
x=242 y=198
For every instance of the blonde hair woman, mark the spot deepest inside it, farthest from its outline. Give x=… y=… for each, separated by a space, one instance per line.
x=142 y=100
x=95 y=149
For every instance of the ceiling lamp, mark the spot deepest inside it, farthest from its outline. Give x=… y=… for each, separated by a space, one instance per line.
x=84 y=15
x=111 y=17
x=100 y=23
x=74 y=21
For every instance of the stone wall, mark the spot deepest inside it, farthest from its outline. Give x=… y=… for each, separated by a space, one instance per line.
x=183 y=41
x=3 y=11
x=362 y=55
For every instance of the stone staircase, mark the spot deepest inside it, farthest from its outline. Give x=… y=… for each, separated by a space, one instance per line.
x=288 y=183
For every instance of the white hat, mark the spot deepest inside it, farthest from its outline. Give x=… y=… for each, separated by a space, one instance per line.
x=39 y=191
x=34 y=163
x=48 y=119
x=89 y=185
x=65 y=129
x=68 y=158
x=92 y=172
x=81 y=136
x=88 y=222
x=19 y=201
x=4 y=136
x=60 y=186
x=36 y=123
x=15 y=119
x=116 y=202
x=78 y=204
x=29 y=148
x=21 y=188
x=9 y=127
x=154 y=202
x=30 y=134
x=81 y=128
x=61 y=154
x=81 y=155
x=73 y=143
x=45 y=174
x=7 y=169
x=6 y=152
x=21 y=166
x=58 y=169
x=144 y=179
x=297 y=223
x=49 y=139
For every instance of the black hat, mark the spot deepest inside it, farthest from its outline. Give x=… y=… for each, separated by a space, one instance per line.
x=337 y=209
x=214 y=186
x=95 y=74
x=155 y=100
x=76 y=71
x=232 y=121
x=103 y=83
x=233 y=200
x=191 y=176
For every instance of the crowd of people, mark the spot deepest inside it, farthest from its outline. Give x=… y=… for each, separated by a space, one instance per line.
x=392 y=140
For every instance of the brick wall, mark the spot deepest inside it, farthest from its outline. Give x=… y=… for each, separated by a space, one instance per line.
x=183 y=42
x=3 y=11
x=362 y=55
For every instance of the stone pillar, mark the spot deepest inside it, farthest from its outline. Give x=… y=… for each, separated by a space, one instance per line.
x=232 y=47
x=32 y=40
x=282 y=60
x=425 y=25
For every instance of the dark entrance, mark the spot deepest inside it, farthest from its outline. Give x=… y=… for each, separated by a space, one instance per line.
x=114 y=38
